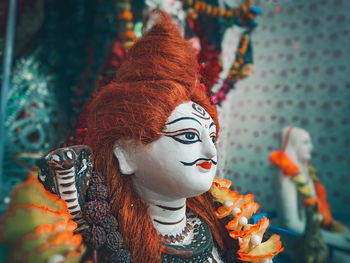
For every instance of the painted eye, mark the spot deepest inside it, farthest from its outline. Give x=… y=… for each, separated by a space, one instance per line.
x=213 y=137
x=190 y=135
x=187 y=136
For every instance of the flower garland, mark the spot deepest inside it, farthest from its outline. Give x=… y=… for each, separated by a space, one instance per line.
x=241 y=68
x=125 y=23
x=209 y=56
x=200 y=7
x=291 y=170
x=250 y=236
x=123 y=40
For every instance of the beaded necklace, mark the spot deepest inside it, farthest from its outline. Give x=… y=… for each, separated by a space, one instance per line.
x=196 y=245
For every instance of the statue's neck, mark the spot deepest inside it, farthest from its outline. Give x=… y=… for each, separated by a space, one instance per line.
x=169 y=218
x=303 y=165
x=167 y=214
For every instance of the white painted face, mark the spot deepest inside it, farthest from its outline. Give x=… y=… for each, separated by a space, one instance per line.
x=182 y=162
x=303 y=146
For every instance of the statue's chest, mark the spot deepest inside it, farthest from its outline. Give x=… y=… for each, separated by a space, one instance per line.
x=195 y=244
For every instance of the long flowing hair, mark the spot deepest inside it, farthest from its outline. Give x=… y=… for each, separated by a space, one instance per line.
x=158 y=74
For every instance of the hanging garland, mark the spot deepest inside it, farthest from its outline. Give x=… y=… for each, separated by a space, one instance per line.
x=202 y=8
x=240 y=69
x=125 y=23
x=240 y=208
x=209 y=56
x=243 y=65
x=123 y=40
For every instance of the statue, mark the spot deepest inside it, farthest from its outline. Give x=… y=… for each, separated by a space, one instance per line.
x=297 y=187
x=152 y=133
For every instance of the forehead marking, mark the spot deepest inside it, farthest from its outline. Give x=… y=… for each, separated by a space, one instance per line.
x=199 y=109
x=199 y=116
x=202 y=113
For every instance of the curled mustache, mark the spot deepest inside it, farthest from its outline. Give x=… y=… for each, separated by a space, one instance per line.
x=199 y=159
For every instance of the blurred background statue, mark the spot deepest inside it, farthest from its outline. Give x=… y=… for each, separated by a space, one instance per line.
x=297 y=188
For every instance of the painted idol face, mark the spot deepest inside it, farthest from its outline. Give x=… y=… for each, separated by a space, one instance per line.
x=182 y=163
x=304 y=146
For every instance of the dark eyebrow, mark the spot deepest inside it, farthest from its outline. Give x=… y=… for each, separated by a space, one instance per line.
x=183 y=118
x=211 y=124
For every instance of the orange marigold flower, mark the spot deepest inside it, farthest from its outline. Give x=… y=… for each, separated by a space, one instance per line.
x=253 y=249
x=241 y=220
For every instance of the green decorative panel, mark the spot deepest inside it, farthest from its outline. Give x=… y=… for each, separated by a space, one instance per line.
x=34 y=122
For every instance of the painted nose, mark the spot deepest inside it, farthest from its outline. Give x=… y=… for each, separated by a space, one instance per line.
x=209 y=149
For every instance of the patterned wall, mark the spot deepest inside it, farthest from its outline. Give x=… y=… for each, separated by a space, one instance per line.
x=301 y=78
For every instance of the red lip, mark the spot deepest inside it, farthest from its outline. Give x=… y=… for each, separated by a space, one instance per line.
x=205 y=165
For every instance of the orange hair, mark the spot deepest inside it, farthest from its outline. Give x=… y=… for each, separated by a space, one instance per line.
x=158 y=74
